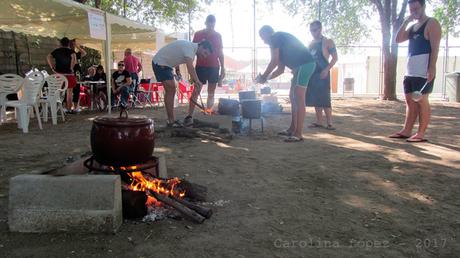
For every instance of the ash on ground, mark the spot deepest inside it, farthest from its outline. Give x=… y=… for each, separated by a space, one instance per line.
x=155 y=213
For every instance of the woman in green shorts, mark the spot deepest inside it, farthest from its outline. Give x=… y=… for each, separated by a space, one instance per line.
x=287 y=50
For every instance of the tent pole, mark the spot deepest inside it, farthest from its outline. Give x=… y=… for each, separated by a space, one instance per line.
x=108 y=61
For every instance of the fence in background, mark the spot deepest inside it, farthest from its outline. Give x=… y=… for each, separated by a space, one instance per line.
x=364 y=64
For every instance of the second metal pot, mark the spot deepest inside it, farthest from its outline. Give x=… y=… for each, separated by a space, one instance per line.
x=251 y=108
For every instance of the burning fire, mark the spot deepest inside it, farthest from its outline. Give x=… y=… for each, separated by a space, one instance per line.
x=208 y=111
x=166 y=187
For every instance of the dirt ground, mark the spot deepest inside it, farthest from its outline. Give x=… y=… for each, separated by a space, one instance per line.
x=345 y=193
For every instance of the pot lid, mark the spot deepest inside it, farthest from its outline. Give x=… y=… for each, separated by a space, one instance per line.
x=123 y=121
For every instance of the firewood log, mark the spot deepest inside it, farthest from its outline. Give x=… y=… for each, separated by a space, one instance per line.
x=203 y=211
x=184 y=210
x=197 y=133
x=204 y=124
x=193 y=191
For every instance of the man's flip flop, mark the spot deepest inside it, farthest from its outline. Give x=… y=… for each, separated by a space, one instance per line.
x=398 y=136
x=330 y=127
x=315 y=125
x=293 y=139
x=285 y=133
x=175 y=124
x=416 y=139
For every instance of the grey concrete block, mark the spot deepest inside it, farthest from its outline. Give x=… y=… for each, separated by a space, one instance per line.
x=74 y=203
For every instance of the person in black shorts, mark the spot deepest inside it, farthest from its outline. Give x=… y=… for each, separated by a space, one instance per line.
x=424 y=38
x=211 y=69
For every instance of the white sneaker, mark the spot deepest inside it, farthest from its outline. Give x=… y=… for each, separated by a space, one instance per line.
x=78 y=110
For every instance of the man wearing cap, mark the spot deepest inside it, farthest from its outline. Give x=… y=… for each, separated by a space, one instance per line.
x=207 y=68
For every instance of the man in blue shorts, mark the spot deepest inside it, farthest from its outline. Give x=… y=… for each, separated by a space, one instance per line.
x=424 y=37
x=171 y=56
x=287 y=50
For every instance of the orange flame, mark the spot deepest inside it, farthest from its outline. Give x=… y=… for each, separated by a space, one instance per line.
x=151 y=201
x=208 y=111
x=140 y=183
x=166 y=187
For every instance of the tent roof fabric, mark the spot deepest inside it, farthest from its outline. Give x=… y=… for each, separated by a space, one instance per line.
x=66 y=18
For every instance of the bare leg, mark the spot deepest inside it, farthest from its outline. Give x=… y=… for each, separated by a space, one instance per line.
x=211 y=91
x=292 y=127
x=194 y=97
x=319 y=115
x=300 y=110
x=424 y=116
x=328 y=112
x=170 y=91
x=412 y=111
x=68 y=100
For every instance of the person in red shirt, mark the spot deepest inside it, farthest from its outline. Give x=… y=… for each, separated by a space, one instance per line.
x=210 y=70
x=133 y=66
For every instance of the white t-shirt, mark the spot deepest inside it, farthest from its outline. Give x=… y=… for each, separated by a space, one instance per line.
x=175 y=53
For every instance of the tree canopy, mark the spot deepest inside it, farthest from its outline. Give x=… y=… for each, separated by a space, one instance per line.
x=448 y=14
x=153 y=12
x=348 y=21
x=344 y=21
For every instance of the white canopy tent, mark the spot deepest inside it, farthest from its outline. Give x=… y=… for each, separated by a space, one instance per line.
x=66 y=18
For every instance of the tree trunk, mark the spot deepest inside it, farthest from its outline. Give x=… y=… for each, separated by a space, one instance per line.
x=390 y=22
x=124 y=8
x=390 y=61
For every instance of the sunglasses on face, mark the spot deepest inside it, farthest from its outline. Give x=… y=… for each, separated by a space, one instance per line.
x=315 y=29
x=121 y=65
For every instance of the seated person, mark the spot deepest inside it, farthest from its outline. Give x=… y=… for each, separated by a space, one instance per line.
x=100 y=89
x=121 y=81
x=91 y=74
x=100 y=74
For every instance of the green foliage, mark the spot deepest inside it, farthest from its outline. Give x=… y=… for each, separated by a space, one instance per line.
x=448 y=14
x=93 y=57
x=153 y=12
x=344 y=21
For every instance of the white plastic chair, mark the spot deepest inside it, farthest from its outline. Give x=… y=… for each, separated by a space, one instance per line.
x=33 y=84
x=57 y=86
x=9 y=84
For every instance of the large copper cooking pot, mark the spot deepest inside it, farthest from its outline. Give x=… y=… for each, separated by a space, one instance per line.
x=123 y=140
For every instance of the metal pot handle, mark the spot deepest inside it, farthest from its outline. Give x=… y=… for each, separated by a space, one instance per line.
x=123 y=111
